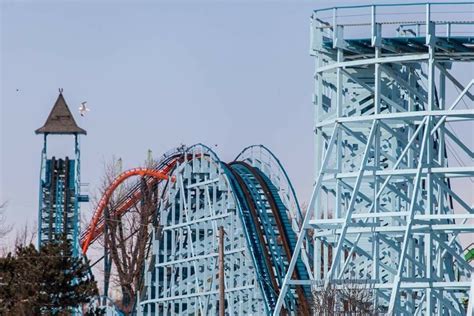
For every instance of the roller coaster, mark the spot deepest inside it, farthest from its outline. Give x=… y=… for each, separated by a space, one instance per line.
x=384 y=209
x=251 y=197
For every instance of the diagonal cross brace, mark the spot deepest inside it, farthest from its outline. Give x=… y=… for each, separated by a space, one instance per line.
x=350 y=208
x=304 y=225
x=403 y=250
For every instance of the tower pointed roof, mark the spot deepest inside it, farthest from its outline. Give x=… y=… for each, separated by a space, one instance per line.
x=60 y=120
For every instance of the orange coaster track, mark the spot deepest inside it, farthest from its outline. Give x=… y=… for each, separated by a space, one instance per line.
x=96 y=226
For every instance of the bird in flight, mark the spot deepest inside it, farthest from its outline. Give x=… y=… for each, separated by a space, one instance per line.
x=83 y=108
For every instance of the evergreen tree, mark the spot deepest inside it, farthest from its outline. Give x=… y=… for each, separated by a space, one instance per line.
x=50 y=281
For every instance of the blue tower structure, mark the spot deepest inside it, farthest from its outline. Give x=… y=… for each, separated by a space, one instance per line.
x=59 y=192
x=389 y=211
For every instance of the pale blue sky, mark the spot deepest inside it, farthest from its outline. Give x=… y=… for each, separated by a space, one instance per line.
x=155 y=74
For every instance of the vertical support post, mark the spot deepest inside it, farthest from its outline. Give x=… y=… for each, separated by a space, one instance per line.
x=412 y=81
x=430 y=41
x=76 y=224
x=373 y=21
x=221 y=272
x=107 y=259
x=317 y=148
x=376 y=42
x=440 y=192
x=428 y=19
x=339 y=43
x=318 y=140
x=42 y=174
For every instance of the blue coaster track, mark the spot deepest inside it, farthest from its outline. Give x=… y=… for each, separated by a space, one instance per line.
x=270 y=236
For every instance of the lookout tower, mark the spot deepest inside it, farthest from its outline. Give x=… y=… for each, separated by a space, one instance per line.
x=59 y=193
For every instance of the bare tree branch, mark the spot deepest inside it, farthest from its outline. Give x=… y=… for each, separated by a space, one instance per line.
x=127 y=234
x=26 y=235
x=350 y=298
x=5 y=229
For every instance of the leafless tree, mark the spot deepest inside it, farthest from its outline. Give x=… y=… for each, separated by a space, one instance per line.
x=349 y=298
x=25 y=235
x=4 y=227
x=324 y=300
x=126 y=235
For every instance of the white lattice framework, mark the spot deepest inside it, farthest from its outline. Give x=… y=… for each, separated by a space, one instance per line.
x=387 y=208
x=182 y=276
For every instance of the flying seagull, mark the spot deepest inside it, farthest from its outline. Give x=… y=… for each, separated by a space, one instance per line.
x=83 y=108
